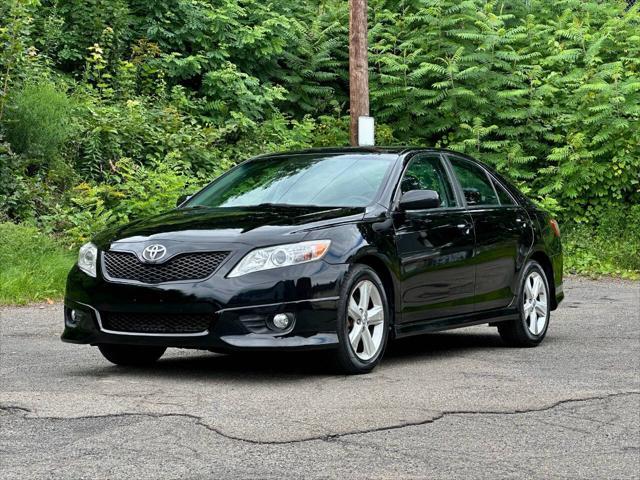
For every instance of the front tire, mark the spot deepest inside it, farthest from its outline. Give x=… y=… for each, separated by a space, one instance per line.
x=363 y=321
x=534 y=307
x=131 y=355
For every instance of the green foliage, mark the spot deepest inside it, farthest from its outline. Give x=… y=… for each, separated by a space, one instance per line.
x=128 y=192
x=33 y=267
x=38 y=121
x=613 y=248
x=11 y=182
x=15 y=53
x=67 y=28
x=144 y=132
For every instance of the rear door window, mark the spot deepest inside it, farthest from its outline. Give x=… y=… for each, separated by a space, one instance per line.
x=476 y=185
x=503 y=196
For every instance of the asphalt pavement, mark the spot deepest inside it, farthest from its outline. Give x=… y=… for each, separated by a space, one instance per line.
x=457 y=404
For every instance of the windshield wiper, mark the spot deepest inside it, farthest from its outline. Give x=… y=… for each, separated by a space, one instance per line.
x=194 y=207
x=269 y=204
x=259 y=205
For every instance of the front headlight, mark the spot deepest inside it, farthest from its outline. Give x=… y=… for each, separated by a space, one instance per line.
x=87 y=258
x=281 y=256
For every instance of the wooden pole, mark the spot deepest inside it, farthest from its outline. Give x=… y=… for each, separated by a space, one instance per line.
x=358 y=65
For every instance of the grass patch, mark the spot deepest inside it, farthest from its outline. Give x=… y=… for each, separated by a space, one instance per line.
x=33 y=266
x=610 y=246
x=596 y=253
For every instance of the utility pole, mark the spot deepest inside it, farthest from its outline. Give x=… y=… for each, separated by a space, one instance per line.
x=358 y=66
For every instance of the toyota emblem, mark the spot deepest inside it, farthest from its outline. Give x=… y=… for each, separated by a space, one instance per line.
x=153 y=253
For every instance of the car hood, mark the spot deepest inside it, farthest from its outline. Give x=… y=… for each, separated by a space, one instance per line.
x=251 y=225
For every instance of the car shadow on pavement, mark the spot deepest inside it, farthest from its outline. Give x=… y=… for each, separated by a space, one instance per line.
x=291 y=365
x=440 y=345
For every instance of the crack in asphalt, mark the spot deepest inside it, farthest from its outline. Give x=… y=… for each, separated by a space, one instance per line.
x=14 y=409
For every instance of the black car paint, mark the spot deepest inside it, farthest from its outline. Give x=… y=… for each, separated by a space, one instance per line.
x=443 y=268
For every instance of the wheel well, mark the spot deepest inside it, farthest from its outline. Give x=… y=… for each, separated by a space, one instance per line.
x=385 y=275
x=545 y=262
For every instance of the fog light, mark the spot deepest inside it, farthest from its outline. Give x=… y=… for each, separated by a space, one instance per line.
x=72 y=318
x=281 y=321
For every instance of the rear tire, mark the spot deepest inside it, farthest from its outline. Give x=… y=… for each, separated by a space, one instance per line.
x=534 y=310
x=363 y=321
x=131 y=355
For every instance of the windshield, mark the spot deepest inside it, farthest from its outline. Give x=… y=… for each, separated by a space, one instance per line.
x=323 y=181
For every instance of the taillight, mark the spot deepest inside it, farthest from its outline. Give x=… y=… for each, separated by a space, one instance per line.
x=555 y=227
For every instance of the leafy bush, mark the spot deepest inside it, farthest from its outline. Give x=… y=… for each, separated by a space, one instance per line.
x=11 y=183
x=129 y=192
x=612 y=248
x=38 y=122
x=143 y=132
x=33 y=267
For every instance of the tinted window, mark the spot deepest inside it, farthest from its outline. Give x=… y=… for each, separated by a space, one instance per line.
x=505 y=198
x=475 y=184
x=427 y=173
x=334 y=181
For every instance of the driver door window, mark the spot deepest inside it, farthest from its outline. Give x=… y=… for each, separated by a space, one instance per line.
x=428 y=173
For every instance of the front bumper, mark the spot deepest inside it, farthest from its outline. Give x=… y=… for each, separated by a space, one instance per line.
x=236 y=306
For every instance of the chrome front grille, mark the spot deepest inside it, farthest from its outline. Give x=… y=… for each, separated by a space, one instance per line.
x=182 y=267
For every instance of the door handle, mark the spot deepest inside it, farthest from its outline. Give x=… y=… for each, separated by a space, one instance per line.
x=464 y=226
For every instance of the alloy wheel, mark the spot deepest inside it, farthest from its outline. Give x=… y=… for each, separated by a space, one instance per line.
x=535 y=310
x=365 y=320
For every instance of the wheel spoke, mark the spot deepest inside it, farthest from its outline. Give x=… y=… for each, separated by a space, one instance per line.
x=527 y=307
x=541 y=309
x=355 y=335
x=365 y=295
x=533 y=322
x=536 y=286
x=528 y=290
x=354 y=311
x=376 y=315
x=367 y=343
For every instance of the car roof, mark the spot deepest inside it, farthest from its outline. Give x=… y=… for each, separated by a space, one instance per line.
x=397 y=150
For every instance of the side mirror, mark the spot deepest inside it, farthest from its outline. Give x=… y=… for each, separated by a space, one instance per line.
x=182 y=199
x=419 y=200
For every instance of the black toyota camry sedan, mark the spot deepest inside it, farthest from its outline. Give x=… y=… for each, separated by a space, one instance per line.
x=337 y=249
